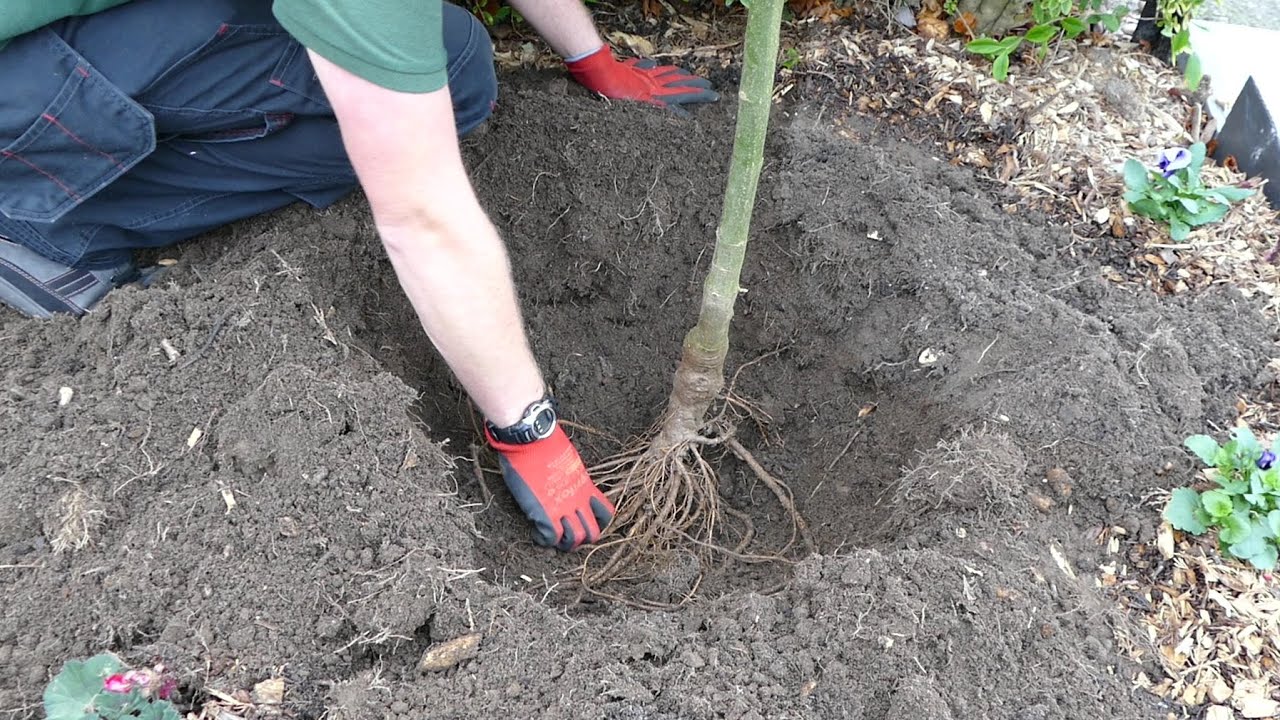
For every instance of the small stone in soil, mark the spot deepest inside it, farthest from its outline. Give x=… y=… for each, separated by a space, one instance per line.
x=450 y=653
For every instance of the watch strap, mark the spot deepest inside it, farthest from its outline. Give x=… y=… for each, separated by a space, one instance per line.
x=523 y=431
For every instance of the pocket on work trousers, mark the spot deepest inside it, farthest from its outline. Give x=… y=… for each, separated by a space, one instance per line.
x=66 y=131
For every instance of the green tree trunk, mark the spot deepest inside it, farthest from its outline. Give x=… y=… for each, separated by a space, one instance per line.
x=700 y=375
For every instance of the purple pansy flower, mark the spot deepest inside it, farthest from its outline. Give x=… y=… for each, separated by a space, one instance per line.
x=1267 y=460
x=1171 y=160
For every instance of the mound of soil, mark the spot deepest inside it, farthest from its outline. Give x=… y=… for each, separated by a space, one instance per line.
x=291 y=496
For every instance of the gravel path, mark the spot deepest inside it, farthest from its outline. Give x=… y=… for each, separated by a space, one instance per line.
x=1258 y=13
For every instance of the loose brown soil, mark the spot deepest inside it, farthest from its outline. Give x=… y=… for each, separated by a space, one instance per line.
x=927 y=359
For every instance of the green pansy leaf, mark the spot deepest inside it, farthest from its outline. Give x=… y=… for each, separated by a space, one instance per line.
x=1212 y=212
x=1265 y=559
x=1197 y=159
x=1136 y=176
x=1073 y=27
x=1181 y=511
x=1273 y=523
x=1232 y=484
x=1148 y=207
x=1248 y=547
x=1204 y=447
x=1231 y=193
x=1111 y=22
x=1248 y=449
x=1178 y=230
x=1257 y=494
x=1236 y=529
x=1217 y=503
x=1244 y=436
x=1190 y=205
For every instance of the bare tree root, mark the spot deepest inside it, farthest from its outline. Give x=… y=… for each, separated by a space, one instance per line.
x=781 y=491
x=668 y=498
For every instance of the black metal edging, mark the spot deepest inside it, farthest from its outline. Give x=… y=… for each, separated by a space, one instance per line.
x=1249 y=133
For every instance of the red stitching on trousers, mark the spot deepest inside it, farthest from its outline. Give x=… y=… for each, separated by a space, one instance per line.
x=53 y=119
x=42 y=171
x=82 y=71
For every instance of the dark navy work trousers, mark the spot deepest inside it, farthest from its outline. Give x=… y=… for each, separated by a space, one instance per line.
x=157 y=120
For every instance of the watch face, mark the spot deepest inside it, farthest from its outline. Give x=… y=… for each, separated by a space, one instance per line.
x=544 y=422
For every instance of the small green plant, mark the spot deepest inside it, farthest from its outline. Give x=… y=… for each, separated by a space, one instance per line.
x=1173 y=194
x=1245 y=506
x=1175 y=23
x=1053 y=19
x=791 y=58
x=103 y=688
x=490 y=13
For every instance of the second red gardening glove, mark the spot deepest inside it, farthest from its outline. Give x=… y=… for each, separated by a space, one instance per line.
x=643 y=80
x=550 y=483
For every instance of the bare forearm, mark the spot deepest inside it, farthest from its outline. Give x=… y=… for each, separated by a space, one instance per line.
x=458 y=279
x=446 y=253
x=566 y=25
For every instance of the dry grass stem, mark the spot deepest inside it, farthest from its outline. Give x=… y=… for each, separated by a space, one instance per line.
x=80 y=514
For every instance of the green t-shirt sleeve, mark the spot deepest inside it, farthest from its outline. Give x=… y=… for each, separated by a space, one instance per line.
x=19 y=17
x=396 y=44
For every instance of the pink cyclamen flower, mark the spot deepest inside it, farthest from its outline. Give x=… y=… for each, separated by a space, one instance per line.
x=1171 y=160
x=149 y=682
x=140 y=678
x=118 y=683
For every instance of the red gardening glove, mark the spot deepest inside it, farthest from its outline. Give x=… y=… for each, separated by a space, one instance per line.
x=644 y=80
x=550 y=483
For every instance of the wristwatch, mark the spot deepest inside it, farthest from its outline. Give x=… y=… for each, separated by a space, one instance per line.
x=537 y=423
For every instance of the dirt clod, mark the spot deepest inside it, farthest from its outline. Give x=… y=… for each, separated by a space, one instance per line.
x=1061 y=482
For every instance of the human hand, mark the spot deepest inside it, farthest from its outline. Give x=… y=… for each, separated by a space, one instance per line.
x=644 y=80
x=550 y=483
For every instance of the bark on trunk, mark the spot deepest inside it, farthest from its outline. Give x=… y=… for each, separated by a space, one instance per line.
x=997 y=17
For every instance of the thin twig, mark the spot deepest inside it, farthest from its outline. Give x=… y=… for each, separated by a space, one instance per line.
x=479 y=473
x=208 y=343
x=845 y=450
